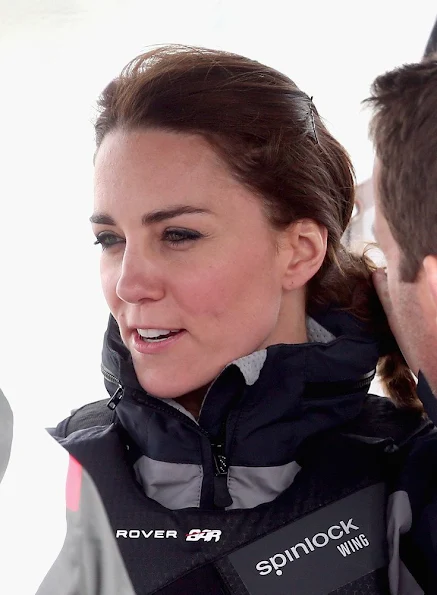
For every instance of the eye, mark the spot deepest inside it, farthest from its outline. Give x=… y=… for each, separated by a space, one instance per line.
x=179 y=236
x=107 y=239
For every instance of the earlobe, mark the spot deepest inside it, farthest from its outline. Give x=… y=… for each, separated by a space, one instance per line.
x=430 y=268
x=308 y=243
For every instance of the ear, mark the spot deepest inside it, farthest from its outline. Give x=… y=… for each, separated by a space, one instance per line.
x=430 y=268
x=304 y=245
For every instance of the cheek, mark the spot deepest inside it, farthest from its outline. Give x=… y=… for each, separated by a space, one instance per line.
x=404 y=305
x=239 y=285
x=397 y=303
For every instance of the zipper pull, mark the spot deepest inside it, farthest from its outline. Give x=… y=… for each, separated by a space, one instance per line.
x=220 y=461
x=115 y=399
x=222 y=497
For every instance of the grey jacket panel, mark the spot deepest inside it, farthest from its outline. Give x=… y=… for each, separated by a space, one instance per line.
x=251 y=486
x=89 y=562
x=399 y=519
x=174 y=485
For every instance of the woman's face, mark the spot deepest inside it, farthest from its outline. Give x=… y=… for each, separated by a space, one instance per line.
x=191 y=268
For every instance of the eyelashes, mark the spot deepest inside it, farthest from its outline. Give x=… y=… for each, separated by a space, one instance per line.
x=179 y=236
x=105 y=240
x=175 y=237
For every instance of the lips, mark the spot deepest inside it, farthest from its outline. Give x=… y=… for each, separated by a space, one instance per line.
x=153 y=334
x=152 y=341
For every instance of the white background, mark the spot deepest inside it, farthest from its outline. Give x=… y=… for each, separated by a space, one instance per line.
x=55 y=57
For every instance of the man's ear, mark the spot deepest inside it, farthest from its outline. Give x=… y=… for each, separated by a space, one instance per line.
x=305 y=244
x=430 y=268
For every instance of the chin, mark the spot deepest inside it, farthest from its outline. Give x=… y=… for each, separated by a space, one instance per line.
x=164 y=388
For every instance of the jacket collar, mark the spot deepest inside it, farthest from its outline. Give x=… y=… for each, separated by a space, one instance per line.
x=259 y=410
x=339 y=349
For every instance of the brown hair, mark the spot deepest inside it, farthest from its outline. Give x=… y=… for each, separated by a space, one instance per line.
x=404 y=131
x=270 y=136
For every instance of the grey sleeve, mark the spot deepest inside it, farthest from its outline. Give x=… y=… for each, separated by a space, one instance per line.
x=90 y=562
x=6 y=430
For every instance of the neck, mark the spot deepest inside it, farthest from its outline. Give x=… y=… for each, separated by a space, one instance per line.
x=193 y=400
x=290 y=329
x=291 y=324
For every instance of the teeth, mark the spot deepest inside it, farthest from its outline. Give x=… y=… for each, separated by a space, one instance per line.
x=153 y=333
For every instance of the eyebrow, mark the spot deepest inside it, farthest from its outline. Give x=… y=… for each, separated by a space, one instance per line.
x=153 y=216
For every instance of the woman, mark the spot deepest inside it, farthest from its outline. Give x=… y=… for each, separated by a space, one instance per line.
x=245 y=454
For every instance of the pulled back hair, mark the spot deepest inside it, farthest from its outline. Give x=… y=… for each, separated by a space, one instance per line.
x=272 y=140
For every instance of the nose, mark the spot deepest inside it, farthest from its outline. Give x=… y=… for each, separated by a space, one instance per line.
x=140 y=278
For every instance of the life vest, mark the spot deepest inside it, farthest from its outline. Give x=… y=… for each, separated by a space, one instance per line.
x=287 y=482
x=325 y=534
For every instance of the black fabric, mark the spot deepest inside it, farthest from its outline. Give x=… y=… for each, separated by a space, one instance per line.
x=375 y=582
x=423 y=548
x=344 y=465
x=419 y=480
x=351 y=356
x=379 y=418
x=301 y=390
x=202 y=581
x=343 y=442
x=230 y=577
x=87 y=416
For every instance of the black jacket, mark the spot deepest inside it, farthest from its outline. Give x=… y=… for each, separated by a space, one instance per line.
x=291 y=470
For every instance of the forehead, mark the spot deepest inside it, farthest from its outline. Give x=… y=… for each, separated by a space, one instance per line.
x=143 y=156
x=153 y=169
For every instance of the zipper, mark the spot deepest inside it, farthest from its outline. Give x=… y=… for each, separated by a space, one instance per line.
x=118 y=395
x=107 y=374
x=222 y=497
x=220 y=460
x=115 y=399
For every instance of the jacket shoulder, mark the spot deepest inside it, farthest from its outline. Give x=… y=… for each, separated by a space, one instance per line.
x=87 y=416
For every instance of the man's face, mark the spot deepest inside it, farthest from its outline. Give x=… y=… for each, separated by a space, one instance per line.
x=412 y=304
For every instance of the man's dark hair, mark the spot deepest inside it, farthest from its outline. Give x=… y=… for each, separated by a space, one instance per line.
x=404 y=131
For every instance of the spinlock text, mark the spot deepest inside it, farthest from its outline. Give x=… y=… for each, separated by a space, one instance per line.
x=306 y=546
